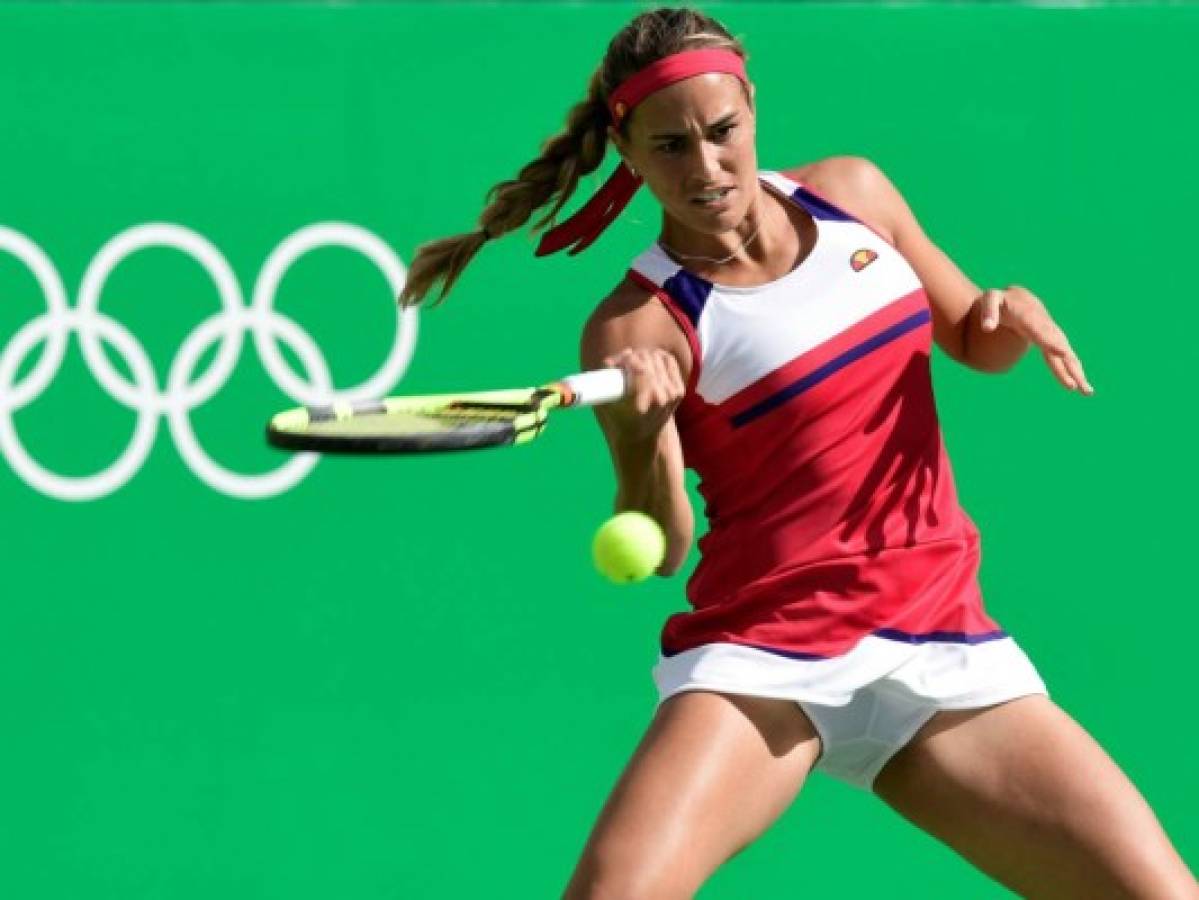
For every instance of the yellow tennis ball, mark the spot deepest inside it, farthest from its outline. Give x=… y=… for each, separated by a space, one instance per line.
x=629 y=547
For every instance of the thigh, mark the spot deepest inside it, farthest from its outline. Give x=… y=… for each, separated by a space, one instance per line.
x=1026 y=795
x=710 y=775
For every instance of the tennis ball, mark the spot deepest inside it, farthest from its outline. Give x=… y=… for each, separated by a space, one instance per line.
x=628 y=547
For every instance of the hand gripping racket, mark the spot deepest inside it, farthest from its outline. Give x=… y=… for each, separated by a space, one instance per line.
x=439 y=422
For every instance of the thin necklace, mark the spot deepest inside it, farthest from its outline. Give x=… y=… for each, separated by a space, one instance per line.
x=749 y=240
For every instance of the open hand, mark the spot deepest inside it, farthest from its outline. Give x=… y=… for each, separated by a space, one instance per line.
x=1020 y=310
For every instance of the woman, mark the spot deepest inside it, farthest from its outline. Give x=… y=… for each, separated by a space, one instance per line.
x=777 y=340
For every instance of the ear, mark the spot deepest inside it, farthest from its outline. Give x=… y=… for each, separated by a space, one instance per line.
x=621 y=143
x=618 y=141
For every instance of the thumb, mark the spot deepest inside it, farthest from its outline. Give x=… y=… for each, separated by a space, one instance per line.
x=992 y=303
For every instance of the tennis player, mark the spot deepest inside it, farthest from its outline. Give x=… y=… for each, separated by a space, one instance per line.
x=777 y=337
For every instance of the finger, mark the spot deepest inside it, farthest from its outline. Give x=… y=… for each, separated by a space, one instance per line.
x=676 y=375
x=1057 y=365
x=1071 y=364
x=616 y=360
x=646 y=363
x=665 y=383
x=1074 y=367
x=1053 y=339
x=635 y=361
x=992 y=309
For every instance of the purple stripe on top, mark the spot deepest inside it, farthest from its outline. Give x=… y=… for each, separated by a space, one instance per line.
x=833 y=366
x=819 y=208
x=690 y=292
x=945 y=637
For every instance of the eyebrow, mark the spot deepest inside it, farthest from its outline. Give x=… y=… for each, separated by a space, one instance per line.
x=723 y=120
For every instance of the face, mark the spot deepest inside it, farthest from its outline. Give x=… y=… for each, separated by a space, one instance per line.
x=693 y=143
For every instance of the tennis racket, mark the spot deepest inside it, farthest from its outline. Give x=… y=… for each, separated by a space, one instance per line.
x=439 y=422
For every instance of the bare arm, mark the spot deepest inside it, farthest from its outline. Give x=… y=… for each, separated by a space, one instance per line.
x=632 y=331
x=986 y=330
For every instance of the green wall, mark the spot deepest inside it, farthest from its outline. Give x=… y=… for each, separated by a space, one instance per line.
x=352 y=688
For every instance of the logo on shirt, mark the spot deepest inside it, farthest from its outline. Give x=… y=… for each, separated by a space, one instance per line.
x=861 y=259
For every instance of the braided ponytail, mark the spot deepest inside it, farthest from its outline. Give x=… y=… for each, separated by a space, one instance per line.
x=578 y=149
x=552 y=176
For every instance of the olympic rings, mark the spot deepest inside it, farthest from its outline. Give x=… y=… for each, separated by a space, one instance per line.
x=227 y=328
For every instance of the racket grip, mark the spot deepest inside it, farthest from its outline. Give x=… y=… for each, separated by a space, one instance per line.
x=594 y=388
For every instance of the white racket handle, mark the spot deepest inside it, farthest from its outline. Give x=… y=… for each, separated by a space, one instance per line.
x=594 y=388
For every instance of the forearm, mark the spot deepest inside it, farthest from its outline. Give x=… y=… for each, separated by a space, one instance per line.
x=990 y=351
x=650 y=479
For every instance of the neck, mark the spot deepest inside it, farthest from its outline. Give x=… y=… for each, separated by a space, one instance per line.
x=746 y=243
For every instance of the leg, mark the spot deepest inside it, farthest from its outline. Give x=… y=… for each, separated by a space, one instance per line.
x=710 y=775
x=1027 y=796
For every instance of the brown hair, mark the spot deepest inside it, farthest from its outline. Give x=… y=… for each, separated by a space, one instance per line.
x=576 y=150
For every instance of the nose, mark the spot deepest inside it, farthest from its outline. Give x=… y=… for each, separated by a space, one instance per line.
x=705 y=163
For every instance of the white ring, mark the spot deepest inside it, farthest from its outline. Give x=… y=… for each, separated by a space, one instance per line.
x=324 y=234
x=87 y=487
x=17 y=395
x=181 y=395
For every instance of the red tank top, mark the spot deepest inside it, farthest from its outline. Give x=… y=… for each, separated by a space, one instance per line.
x=810 y=420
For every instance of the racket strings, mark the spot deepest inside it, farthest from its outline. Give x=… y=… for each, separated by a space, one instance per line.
x=417 y=424
x=466 y=411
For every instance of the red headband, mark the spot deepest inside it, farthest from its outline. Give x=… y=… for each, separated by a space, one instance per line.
x=580 y=230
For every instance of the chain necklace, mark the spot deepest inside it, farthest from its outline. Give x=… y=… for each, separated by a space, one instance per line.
x=712 y=259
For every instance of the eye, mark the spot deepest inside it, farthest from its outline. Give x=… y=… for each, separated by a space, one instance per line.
x=672 y=146
x=723 y=131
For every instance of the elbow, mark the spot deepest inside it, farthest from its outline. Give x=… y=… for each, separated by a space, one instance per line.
x=997 y=356
x=991 y=352
x=670 y=566
x=993 y=366
x=675 y=557
x=678 y=546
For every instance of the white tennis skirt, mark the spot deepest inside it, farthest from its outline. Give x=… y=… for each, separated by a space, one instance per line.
x=865 y=704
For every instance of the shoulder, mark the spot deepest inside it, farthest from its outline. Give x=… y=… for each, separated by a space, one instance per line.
x=631 y=316
x=860 y=187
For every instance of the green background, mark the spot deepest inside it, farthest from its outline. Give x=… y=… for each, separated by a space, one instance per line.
x=358 y=688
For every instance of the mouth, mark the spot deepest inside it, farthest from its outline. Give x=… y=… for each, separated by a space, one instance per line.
x=713 y=198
